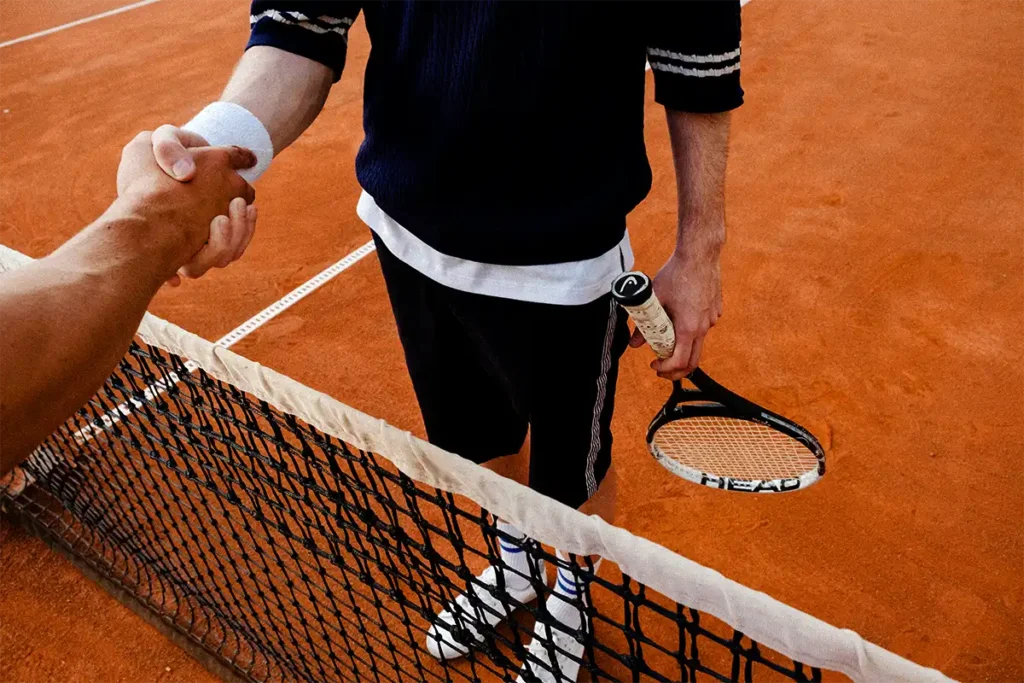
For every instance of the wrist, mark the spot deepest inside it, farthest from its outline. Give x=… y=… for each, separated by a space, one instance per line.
x=700 y=240
x=143 y=230
x=223 y=124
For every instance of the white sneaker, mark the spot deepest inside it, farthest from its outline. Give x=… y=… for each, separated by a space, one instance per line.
x=457 y=628
x=565 y=667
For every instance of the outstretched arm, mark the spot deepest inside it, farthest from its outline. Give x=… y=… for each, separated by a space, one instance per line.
x=272 y=89
x=296 y=51
x=66 y=319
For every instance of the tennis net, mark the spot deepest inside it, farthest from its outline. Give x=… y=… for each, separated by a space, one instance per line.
x=294 y=538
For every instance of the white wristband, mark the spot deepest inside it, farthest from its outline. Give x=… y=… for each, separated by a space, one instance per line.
x=226 y=123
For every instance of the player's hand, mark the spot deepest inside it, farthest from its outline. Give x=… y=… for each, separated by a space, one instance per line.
x=171 y=147
x=229 y=238
x=173 y=151
x=205 y=210
x=690 y=289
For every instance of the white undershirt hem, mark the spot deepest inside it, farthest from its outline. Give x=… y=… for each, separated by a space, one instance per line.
x=571 y=283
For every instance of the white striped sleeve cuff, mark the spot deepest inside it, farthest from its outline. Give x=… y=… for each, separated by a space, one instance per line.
x=309 y=28
x=693 y=48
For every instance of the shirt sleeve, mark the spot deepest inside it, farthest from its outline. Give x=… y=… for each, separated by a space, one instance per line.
x=314 y=29
x=693 y=47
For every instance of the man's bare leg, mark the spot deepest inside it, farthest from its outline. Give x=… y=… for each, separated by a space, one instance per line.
x=517 y=468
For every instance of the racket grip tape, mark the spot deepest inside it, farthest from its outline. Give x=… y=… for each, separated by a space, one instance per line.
x=635 y=293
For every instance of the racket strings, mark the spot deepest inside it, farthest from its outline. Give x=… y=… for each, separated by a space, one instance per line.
x=729 y=447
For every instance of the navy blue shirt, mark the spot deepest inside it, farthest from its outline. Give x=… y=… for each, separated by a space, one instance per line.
x=512 y=132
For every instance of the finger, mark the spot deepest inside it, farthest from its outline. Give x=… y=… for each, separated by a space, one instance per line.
x=199 y=264
x=250 y=230
x=698 y=347
x=222 y=242
x=170 y=145
x=676 y=363
x=213 y=252
x=247 y=193
x=240 y=157
x=238 y=212
x=173 y=281
x=637 y=339
x=673 y=375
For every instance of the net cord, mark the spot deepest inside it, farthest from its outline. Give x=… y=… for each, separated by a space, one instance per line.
x=770 y=622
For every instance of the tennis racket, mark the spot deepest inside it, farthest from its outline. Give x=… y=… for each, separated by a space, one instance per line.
x=707 y=434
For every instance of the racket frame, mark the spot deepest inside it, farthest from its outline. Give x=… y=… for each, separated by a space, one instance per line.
x=634 y=291
x=711 y=399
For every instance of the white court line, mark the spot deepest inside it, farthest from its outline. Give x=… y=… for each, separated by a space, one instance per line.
x=78 y=22
x=275 y=309
x=293 y=297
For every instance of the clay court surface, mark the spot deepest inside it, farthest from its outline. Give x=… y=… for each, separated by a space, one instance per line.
x=873 y=291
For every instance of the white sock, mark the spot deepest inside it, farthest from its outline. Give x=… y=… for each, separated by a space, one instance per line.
x=567 y=602
x=514 y=558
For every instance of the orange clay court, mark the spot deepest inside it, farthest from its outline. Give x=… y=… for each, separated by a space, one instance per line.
x=873 y=292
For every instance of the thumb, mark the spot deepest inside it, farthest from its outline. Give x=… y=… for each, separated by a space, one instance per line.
x=170 y=149
x=637 y=340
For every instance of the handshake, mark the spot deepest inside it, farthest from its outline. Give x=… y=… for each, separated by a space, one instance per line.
x=190 y=193
x=181 y=209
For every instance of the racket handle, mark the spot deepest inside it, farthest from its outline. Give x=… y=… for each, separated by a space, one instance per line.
x=634 y=292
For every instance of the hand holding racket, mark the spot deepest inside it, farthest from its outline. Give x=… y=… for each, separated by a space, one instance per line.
x=709 y=435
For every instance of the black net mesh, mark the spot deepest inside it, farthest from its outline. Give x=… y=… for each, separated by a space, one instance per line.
x=290 y=555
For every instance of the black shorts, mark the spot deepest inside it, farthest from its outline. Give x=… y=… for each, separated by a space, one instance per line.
x=485 y=369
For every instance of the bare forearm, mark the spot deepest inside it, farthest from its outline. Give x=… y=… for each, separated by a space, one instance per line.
x=689 y=284
x=284 y=91
x=67 y=319
x=699 y=150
